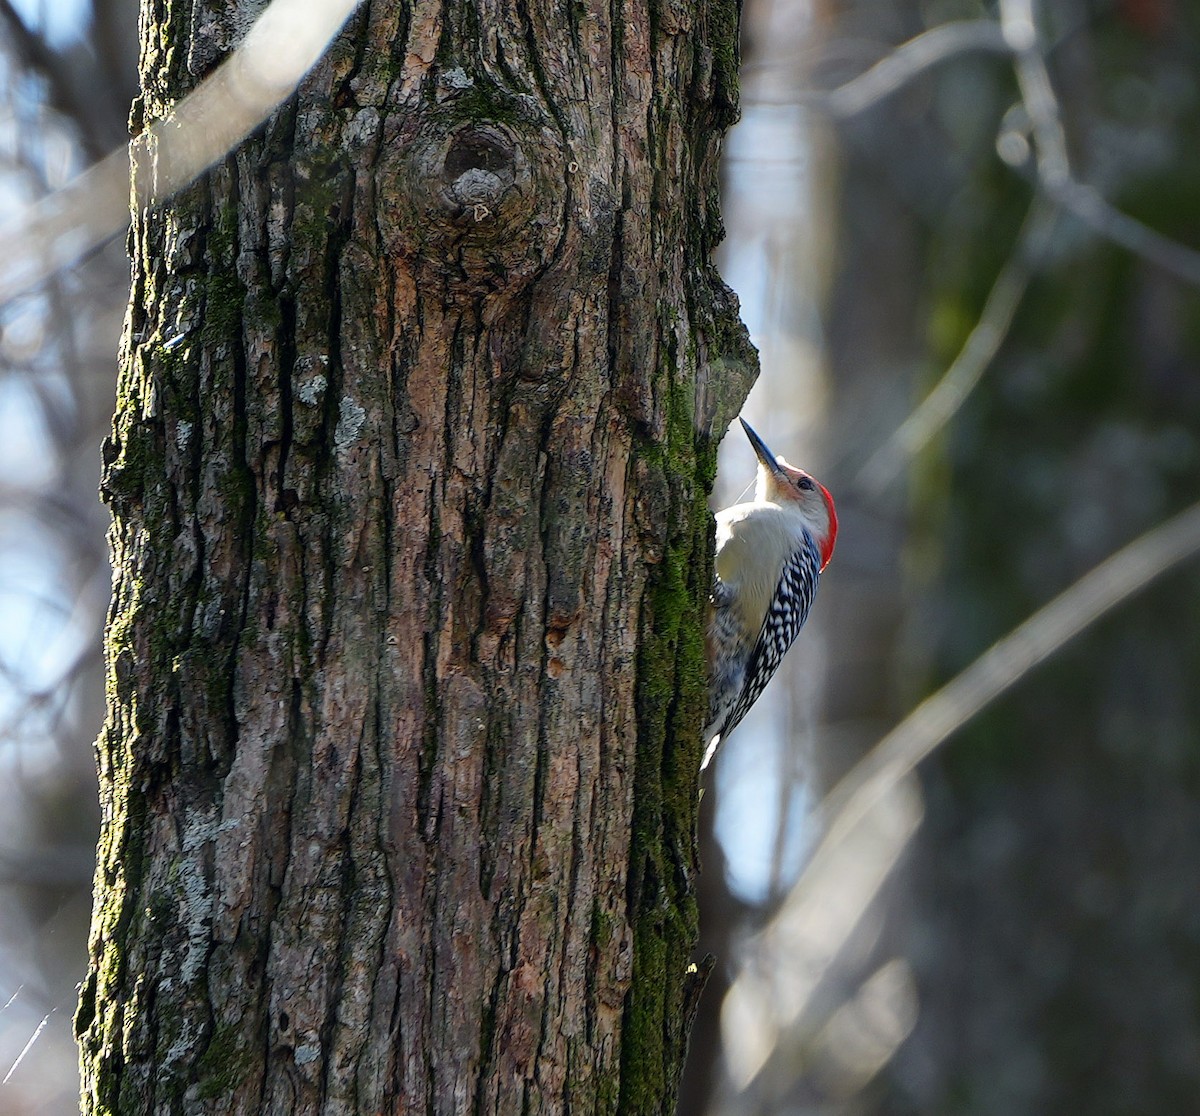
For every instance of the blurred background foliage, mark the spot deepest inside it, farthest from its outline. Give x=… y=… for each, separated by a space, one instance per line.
x=1014 y=931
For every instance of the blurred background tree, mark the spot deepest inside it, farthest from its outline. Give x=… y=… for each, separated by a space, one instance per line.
x=899 y=217
x=66 y=80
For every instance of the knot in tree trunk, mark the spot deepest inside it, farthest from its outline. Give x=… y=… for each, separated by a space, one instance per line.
x=481 y=196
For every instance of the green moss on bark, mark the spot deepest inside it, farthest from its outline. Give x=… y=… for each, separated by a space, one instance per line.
x=671 y=697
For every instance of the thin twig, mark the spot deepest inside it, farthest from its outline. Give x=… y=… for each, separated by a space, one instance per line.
x=28 y=1046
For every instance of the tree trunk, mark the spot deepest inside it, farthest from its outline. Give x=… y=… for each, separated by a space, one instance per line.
x=414 y=430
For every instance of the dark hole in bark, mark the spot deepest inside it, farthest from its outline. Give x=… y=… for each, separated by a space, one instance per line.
x=479 y=151
x=284 y=1021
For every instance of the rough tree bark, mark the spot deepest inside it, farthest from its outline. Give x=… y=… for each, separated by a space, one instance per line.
x=415 y=426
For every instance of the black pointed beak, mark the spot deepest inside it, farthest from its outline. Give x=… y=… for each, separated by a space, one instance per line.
x=761 y=450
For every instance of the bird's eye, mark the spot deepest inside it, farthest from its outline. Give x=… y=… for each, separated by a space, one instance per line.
x=805 y=484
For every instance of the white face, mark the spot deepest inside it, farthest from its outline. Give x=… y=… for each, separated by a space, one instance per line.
x=792 y=487
x=795 y=487
x=812 y=501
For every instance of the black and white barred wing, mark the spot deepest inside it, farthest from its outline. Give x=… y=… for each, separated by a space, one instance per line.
x=781 y=625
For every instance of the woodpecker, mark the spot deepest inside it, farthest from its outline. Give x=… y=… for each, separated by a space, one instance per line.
x=770 y=554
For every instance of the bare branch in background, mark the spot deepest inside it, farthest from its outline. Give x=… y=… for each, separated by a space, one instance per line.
x=64 y=97
x=1087 y=204
x=278 y=51
x=964 y=374
x=797 y=948
x=896 y=69
x=913 y=58
x=1005 y=663
x=1033 y=78
x=1019 y=24
x=874 y=812
x=1017 y=34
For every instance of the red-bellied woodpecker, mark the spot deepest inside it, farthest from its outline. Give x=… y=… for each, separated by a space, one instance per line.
x=770 y=554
